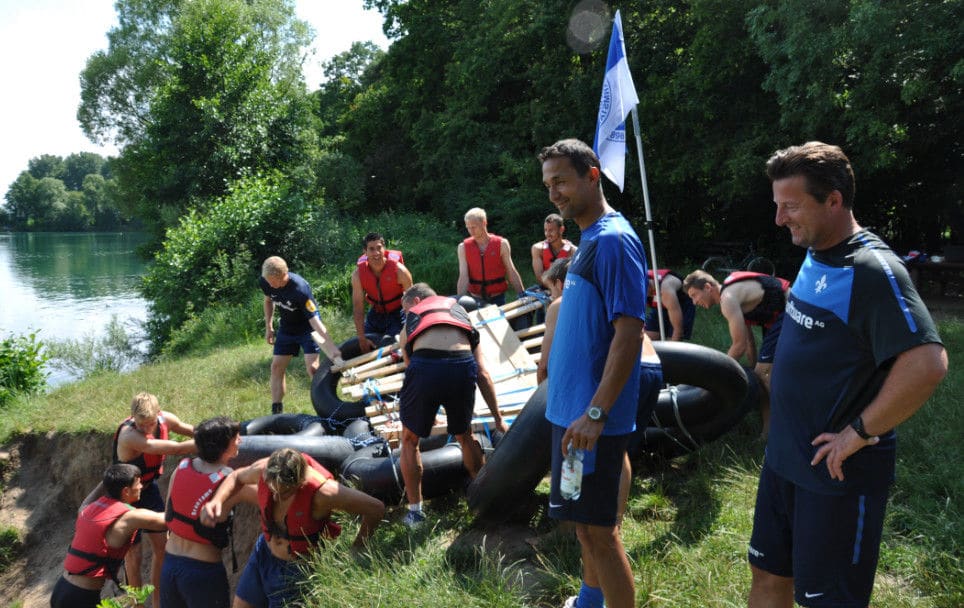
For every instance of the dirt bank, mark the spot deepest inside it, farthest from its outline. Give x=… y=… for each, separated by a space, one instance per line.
x=46 y=479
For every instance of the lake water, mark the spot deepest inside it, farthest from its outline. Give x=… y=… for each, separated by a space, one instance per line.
x=69 y=285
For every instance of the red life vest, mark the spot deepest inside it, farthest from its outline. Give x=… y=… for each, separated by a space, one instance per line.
x=774 y=296
x=383 y=292
x=548 y=257
x=89 y=554
x=151 y=465
x=662 y=273
x=301 y=530
x=486 y=271
x=191 y=490
x=390 y=254
x=437 y=310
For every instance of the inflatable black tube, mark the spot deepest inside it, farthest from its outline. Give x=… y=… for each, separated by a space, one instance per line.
x=284 y=424
x=329 y=450
x=376 y=471
x=515 y=468
x=324 y=384
x=716 y=402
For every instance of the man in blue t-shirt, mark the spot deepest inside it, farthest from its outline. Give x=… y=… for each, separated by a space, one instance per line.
x=858 y=355
x=291 y=295
x=594 y=367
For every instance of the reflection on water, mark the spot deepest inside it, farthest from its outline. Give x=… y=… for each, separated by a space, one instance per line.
x=69 y=285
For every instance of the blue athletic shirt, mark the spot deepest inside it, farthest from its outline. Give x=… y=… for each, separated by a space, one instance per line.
x=294 y=303
x=852 y=309
x=606 y=279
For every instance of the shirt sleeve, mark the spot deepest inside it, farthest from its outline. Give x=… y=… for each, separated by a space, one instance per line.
x=621 y=272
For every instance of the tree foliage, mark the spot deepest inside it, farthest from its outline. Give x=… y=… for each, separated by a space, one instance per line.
x=65 y=194
x=199 y=94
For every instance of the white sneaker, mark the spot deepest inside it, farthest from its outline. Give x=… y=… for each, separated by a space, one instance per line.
x=571 y=602
x=413 y=519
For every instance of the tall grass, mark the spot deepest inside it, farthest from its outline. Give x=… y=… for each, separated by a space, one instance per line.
x=685 y=531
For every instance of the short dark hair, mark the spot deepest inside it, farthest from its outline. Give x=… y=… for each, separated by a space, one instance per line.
x=418 y=290
x=557 y=271
x=578 y=152
x=372 y=236
x=213 y=436
x=554 y=218
x=824 y=167
x=698 y=279
x=119 y=476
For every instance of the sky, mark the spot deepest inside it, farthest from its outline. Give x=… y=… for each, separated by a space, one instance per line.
x=45 y=45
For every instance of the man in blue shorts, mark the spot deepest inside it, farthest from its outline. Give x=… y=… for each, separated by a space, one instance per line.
x=746 y=299
x=444 y=365
x=594 y=367
x=291 y=294
x=859 y=354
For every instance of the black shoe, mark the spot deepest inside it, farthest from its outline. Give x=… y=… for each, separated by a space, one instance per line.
x=277 y=408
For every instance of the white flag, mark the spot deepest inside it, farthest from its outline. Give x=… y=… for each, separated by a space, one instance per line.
x=618 y=99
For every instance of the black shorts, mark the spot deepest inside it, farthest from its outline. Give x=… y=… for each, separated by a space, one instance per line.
x=598 y=501
x=288 y=344
x=828 y=544
x=438 y=378
x=69 y=595
x=768 y=345
x=150 y=499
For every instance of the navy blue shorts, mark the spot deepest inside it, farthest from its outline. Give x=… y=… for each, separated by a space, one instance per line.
x=69 y=595
x=447 y=381
x=267 y=581
x=689 y=316
x=650 y=384
x=383 y=323
x=768 y=346
x=288 y=344
x=190 y=583
x=150 y=499
x=598 y=501
x=829 y=545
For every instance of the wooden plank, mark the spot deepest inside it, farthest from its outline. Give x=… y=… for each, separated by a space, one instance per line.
x=381 y=354
x=531 y=331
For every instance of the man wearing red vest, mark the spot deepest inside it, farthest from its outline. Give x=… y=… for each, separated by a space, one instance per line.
x=444 y=365
x=553 y=248
x=103 y=534
x=677 y=309
x=485 y=262
x=193 y=575
x=746 y=299
x=296 y=497
x=379 y=278
x=143 y=440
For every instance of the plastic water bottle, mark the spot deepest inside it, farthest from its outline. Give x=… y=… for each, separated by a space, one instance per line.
x=570 y=482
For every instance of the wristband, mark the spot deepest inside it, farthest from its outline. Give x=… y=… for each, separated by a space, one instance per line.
x=858 y=426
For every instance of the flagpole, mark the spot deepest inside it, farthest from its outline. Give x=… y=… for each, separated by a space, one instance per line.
x=649 y=226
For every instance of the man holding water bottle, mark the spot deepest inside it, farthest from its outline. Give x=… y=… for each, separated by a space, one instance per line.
x=594 y=369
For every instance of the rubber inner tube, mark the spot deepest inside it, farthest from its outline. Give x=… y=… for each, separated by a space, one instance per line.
x=329 y=450
x=715 y=399
x=284 y=424
x=324 y=385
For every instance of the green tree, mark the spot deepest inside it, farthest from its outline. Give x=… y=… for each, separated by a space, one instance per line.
x=46 y=165
x=199 y=93
x=78 y=166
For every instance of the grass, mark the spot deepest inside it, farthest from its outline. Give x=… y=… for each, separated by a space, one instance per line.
x=687 y=523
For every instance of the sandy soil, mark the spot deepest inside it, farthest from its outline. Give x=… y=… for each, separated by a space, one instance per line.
x=45 y=480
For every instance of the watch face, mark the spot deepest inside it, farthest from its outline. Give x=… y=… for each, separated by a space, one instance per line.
x=595 y=413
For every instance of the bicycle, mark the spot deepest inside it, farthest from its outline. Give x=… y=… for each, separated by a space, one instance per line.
x=722 y=265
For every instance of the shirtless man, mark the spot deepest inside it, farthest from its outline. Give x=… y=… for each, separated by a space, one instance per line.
x=485 y=262
x=746 y=299
x=444 y=365
x=296 y=497
x=193 y=575
x=104 y=532
x=553 y=248
x=380 y=278
x=143 y=440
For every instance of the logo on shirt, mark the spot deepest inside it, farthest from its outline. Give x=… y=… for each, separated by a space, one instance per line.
x=801 y=318
x=310 y=306
x=820 y=285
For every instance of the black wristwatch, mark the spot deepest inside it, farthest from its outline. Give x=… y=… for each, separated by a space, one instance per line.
x=596 y=413
x=858 y=426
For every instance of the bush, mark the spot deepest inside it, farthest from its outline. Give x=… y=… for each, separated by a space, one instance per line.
x=21 y=366
x=11 y=547
x=215 y=255
x=115 y=351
